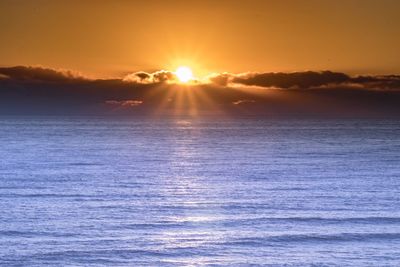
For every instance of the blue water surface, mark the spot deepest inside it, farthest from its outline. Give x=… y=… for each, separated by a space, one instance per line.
x=111 y=191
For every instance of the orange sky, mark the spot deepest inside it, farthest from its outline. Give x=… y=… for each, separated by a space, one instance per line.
x=110 y=38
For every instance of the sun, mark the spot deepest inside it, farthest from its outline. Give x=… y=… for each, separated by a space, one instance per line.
x=184 y=74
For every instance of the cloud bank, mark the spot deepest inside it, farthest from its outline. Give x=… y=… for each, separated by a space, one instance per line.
x=37 y=90
x=307 y=80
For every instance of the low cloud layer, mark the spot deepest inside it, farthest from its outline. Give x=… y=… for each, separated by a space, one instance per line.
x=307 y=80
x=277 y=80
x=37 y=90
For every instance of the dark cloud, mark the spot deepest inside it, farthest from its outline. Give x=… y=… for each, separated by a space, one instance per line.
x=222 y=79
x=30 y=90
x=23 y=73
x=306 y=80
x=292 y=80
x=161 y=76
x=383 y=82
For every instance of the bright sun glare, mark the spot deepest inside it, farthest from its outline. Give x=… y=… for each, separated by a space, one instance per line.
x=184 y=74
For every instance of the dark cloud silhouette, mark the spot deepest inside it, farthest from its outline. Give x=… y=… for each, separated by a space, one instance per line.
x=23 y=73
x=383 y=82
x=306 y=80
x=31 y=90
x=147 y=78
x=222 y=79
x=292 y=80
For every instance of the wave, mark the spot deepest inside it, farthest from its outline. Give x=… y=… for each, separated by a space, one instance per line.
x=285 y=238
x=368 y=220
x=29 y=234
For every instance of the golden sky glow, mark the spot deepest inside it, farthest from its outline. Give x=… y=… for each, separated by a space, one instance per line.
x=110 y=38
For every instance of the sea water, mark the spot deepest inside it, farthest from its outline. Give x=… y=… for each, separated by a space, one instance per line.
x=111 y=191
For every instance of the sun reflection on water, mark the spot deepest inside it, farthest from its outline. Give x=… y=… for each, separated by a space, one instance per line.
x=190 y=199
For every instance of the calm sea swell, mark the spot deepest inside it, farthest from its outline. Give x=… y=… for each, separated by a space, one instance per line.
x=90 y=191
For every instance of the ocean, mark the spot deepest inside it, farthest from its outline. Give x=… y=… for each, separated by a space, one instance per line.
x=187 y=191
